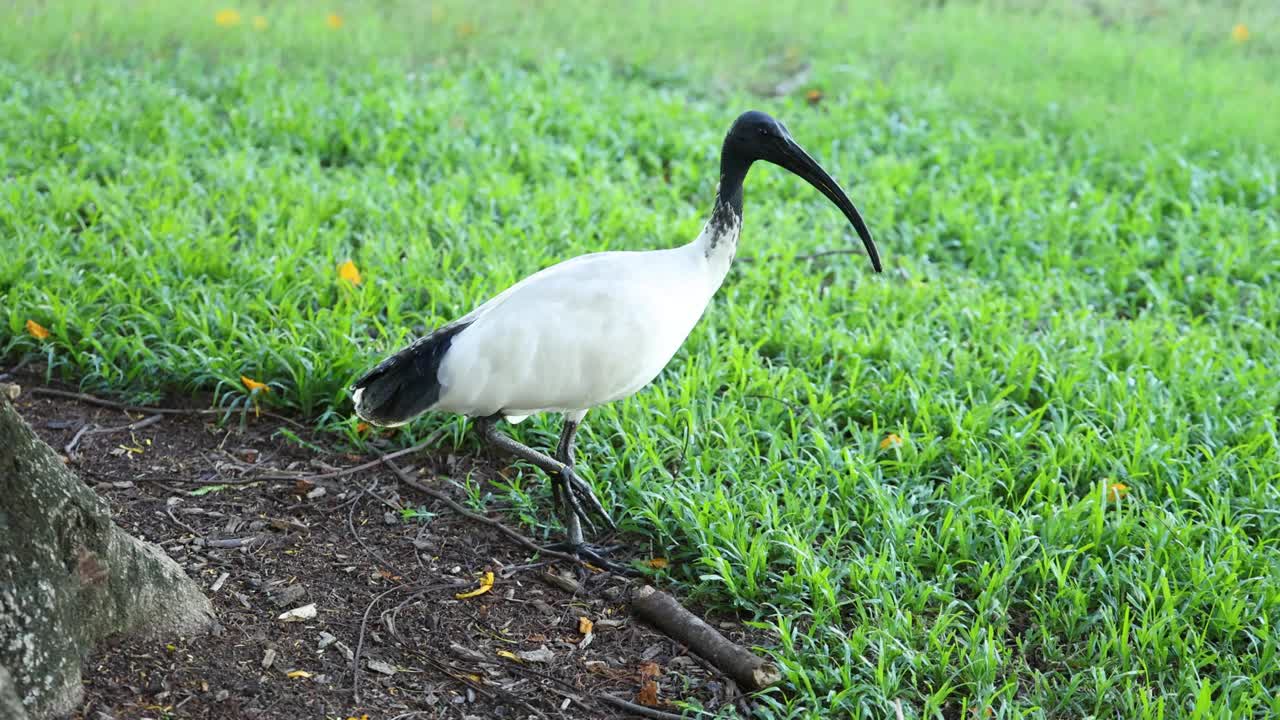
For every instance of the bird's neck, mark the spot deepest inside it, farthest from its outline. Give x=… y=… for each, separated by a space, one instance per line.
x=718 y=241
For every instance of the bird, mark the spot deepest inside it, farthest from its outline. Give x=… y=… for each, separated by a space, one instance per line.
x=585 y=332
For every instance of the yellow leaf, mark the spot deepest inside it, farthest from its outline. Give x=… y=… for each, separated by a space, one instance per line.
x=814 y=96
x=486 y=584
x=1240 y=33
x=334 y=21
x=508 y=655
x=299 y=674
x=585 y=625
x=349 y=272
x=254 y=384
x=259 y=22
x=36 y=330
x=1116 y=490
x=658 y=563
x=227 y=18
x=892 y=440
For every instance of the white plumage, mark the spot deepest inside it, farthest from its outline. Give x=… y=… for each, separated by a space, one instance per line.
x=607 y=324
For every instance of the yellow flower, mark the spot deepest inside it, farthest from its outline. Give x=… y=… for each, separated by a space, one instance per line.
x=259 y=22
x=892 y=440
x=1240 y=33
x=349 y=272
x=333 y=20
x=254 y=384
x=227 y=18
x=36 y=330
x=466 y=29
x=1116 y=490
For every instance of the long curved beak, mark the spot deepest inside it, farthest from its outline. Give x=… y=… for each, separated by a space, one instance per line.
x=794 y=158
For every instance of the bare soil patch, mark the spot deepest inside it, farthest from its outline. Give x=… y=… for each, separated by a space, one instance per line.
x=381 y=564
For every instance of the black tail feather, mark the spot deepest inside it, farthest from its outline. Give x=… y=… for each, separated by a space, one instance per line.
x=406 y=384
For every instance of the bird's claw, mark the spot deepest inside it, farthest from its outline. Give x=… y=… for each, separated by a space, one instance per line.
x=577 y=491
x=595 y=555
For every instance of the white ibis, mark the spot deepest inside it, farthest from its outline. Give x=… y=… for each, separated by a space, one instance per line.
x=585 y=332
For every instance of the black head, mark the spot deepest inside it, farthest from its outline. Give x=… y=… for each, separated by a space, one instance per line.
x=757 y=136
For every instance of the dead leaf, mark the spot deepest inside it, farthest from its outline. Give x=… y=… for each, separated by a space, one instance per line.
x=658 y=563
x=349 y=272
x=298 y=674
x=486 y=584
x=381 y=667
x=650 y=671
x=36 y=330
x=508 y=655
x=648 y=694
x=585 y=626
x=362 y=427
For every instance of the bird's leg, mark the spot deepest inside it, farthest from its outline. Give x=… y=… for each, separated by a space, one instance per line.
x=590 y=553
x=572 y=489
x=578 y=488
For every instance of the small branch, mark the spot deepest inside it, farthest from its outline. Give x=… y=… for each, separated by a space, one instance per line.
x=638 y=709
x=355 y=655
x=511 y=535
x=91 y=429
x=135 y=425
x=351 y=525
x=431 y=440
x=70 y=448
x=663 y=612
x=810 y=256
x=93 y=400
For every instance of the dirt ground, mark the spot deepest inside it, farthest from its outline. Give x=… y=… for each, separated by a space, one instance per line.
x=382 y=565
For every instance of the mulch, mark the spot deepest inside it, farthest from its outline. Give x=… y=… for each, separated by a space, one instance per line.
x=382 y=565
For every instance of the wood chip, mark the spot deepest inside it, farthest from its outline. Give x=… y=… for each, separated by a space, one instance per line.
x=467 y=653
x=268 y=658
x=541 y=655
x=381 y=667
x=298 y=614
x=217 y=584
x=566 y=584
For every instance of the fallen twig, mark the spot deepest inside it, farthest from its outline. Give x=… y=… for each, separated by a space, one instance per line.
x=665 y=613
x=91 y=429
x=70 y=448
x=351 y=525
x=93 y=400
x=431 y=440
x=355 y=655
x=638 y=709
x=512 y=535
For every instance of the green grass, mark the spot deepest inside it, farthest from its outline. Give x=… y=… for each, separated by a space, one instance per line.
x=1082 y=233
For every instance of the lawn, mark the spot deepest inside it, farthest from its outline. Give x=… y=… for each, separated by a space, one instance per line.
x=1029 y=471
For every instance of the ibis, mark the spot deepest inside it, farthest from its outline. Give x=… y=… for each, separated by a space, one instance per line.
x=585 y=332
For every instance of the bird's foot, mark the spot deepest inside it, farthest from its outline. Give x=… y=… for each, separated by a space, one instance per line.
x=578 y=493
x=595 y=555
